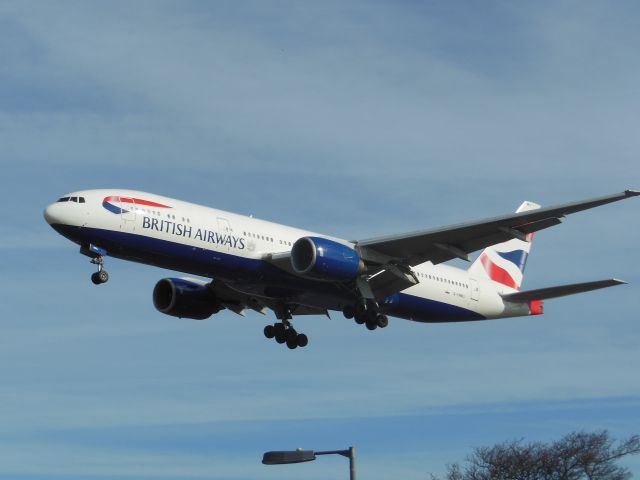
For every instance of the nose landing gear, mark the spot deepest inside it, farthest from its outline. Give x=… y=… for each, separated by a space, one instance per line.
x=101 y=276
x=97 y=255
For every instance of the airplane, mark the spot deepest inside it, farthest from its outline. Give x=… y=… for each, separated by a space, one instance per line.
x=259 y=265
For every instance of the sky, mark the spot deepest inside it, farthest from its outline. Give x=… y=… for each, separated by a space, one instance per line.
x=355 y=119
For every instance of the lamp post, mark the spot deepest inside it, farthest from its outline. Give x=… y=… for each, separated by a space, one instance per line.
x=299 y=456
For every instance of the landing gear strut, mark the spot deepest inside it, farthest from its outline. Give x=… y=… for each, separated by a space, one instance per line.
x=283 y=331
x=366 y=312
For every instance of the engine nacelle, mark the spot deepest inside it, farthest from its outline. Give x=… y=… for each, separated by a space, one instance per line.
x=325 y=259
x=184 y=298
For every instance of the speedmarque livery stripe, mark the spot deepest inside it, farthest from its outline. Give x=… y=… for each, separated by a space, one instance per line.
x=111 y=203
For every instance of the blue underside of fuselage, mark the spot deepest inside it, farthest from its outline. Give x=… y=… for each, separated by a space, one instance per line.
x=254 y=277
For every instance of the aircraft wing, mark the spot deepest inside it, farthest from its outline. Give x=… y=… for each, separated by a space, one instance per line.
x=239 y=302
x=561 y=291
x=457 y=241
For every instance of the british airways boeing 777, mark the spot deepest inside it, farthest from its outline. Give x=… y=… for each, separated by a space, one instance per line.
x=259 y=265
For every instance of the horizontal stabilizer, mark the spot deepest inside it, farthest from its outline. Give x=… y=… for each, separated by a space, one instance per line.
x=561 y=291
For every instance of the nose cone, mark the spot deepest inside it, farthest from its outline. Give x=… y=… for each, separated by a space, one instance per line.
x=52 y=214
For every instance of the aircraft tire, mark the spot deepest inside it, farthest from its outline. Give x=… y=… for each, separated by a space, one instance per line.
x=95 y=279
x=372 y=314
x=360 y=319
x=290 y=334
x=103 y=276
x=292 y=342
x=269 y=331
x=371 y=325
x=348 y=311
x=302 y=340
x=382 y=320
x=279 y=333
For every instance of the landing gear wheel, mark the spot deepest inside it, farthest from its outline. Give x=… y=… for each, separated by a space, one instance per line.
x=349 y=312
x=360 y=310
x=280 y=333
x=360 y=318
x=269 y=331
x=382 y=320
x=292 y=342
x=372 y=315
x=103 y=276
x=100 y=277
x=291 y=335
x=371 y=325
x=302 y=339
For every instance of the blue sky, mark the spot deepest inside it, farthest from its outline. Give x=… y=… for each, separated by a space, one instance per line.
x=356 y=119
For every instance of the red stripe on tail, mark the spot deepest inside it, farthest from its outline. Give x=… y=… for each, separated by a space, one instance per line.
x=496 y=273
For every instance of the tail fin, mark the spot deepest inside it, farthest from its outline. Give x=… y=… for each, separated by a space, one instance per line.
x=504 y=263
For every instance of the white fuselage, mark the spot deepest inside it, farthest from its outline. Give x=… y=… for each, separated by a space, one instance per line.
x=199 y=240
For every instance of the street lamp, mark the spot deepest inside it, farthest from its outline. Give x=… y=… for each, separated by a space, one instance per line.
x=300 y=456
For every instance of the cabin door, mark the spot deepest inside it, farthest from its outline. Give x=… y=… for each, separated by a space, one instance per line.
x=128 y=214
x=475 y=289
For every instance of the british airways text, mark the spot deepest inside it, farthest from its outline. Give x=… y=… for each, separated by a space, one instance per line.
x=182 y=230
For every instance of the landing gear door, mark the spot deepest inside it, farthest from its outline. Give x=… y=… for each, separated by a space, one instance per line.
x=475 y=289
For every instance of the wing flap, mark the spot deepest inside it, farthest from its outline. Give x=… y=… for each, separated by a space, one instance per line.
x=390 y=281
x=239 y=302
x=560 y=291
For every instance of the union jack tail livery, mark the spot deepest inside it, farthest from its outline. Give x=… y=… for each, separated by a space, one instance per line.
x=504 y=263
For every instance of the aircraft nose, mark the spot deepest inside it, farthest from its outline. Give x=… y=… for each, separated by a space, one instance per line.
x=52 y=214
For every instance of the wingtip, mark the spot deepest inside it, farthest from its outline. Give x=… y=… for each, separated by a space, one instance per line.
x=617 y=281
x=632 y=193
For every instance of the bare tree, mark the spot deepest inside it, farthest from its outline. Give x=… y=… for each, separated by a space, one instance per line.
x=577 y=456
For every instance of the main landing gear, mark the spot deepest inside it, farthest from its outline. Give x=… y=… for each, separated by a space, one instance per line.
x=284 y=332
x=366 y=312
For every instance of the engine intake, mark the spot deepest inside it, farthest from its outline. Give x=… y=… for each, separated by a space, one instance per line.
x=184 y=298
x=325 y=259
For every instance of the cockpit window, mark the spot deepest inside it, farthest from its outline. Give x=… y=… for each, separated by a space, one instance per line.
x=71 y=199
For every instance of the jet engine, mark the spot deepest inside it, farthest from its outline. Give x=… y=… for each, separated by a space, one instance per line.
x=325 y=259
x=184 y=298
